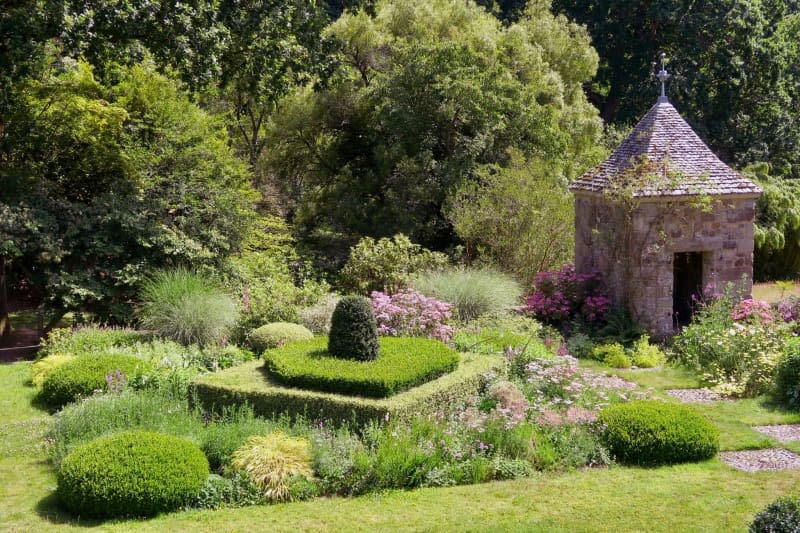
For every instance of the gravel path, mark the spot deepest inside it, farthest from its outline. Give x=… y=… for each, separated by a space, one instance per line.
x=696 y=395
x=757 y=460
x=783 y=432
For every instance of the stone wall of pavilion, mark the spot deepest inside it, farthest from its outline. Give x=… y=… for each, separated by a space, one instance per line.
x=635 y=252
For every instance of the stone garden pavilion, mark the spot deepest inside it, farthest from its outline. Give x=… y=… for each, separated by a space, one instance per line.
x=663 y=218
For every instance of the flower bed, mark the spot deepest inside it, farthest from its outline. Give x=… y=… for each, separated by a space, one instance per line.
x=403 y=363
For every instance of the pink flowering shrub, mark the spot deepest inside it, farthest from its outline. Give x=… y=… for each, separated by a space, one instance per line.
x=411 y=313
x=564 y=294
x=752 y=312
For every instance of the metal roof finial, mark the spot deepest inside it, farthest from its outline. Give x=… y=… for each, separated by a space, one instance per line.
x=663 y=76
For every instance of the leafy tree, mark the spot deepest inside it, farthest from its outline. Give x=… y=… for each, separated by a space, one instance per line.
x=427 y=93
x=521 y=217
x=734 y=62
x=777 y=232
x=113 y=181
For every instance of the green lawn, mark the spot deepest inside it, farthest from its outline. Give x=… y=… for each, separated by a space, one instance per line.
x=700 y=497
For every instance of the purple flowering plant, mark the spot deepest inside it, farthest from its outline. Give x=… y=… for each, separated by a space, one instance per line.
x=562 y=295
x=411 y=313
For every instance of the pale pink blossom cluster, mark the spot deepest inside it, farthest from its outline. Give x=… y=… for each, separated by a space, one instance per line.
x=752 y=311
x=411 y=313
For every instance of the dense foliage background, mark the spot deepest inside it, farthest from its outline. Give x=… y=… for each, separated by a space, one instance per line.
x=140 y=134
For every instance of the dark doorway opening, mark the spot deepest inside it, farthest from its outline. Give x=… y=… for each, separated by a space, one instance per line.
x=687 y=286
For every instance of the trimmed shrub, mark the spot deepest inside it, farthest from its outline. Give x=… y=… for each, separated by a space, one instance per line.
x=404 y=363
x=134 y=473
x=185 y=307
x=386 y=264
x=354 y=330
x=43 y=367
x=786 y=384
x=781 y=516
x=250 y=384
x=317 y=318
x=652 y=433
x=277 y=334
x=473 y=292
x=274 y=462
x=84 y=375
x=104 y=414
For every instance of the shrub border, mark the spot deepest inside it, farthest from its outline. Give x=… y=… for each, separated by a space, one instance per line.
x=250 y=384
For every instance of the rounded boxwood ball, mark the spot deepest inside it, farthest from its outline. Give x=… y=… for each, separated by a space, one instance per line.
x=86 y=374
x=134 y=473
x=277 y=334
x=781 y=516
x=648 y=432
x=354 y=330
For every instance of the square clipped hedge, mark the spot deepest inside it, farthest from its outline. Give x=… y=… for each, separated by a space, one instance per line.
x=405 y=362
x=249 y=383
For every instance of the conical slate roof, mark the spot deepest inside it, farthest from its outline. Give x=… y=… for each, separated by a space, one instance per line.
x=666 y=140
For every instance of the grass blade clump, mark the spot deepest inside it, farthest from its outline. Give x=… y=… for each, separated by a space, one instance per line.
x=186 y=307
x=473 y=292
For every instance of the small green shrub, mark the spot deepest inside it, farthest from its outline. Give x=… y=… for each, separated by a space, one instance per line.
x=607 y=352
x=134 y=473
x=234 y=491
x=354 y=330
x=317 y=318
x=781 y=516
x=43 y=367
x=473 y=292
x=277 y=334
x=386 y=264
x=620 y=326
x=104 y=414
x=646 y=355
x=405 y=362
x=617 y=360
x=653 y=432
x=581 y=346
x=87 y=340
x=786 y=385
x=185 y=307
x=84 y=375
x=274 y=462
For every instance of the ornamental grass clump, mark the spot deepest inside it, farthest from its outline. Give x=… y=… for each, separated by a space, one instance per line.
x=131 y=474
x=184 y=306
x=473 y=292
x=649 y=433
x=274 y=462
x=354 y=330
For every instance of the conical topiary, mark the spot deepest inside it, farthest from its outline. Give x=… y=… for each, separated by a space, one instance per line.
x=354 y=330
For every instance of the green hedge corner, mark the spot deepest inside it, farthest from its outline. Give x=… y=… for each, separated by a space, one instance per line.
x=250 y=384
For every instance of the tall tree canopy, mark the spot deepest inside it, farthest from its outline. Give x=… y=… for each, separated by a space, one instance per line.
x=427 y=93
x=735 y=65
x=104 y=182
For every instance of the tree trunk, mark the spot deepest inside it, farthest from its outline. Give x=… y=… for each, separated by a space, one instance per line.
x=5 y=324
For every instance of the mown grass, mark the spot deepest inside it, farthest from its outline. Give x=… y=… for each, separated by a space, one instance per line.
x=706 y=496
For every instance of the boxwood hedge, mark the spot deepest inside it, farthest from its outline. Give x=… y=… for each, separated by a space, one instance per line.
x=133 y=473
x=250 y=384
x=84 y=375
x=404 y=363
x=649 y=432
x=277 y=334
